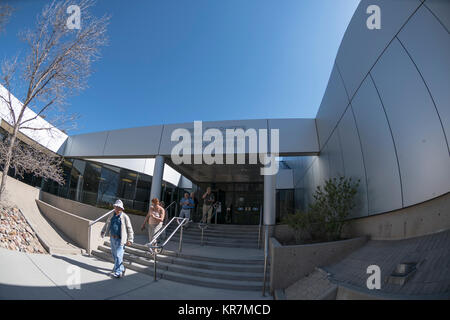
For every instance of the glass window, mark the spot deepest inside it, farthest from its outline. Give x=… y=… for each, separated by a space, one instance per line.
x=144 y=184
x=107 y=190
x=64 y=189
x=284 y=203
x=76 y=180
x=91 y=183
x=127 y=187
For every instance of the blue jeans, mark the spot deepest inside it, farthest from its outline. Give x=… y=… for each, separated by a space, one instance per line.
x=117 y=251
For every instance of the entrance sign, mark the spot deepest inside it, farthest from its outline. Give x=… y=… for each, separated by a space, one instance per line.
x=210 y=147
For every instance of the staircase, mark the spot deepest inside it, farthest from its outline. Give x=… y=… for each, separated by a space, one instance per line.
x=223 y=273
x=220 y=235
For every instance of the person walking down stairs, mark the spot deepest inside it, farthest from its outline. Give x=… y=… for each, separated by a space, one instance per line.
x=118 y=227
x=208 y=201
x=155 y=220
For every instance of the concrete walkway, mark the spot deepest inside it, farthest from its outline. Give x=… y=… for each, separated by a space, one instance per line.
x=41 y=276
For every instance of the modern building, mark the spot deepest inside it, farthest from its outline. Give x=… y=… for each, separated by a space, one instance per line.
x=384 y=119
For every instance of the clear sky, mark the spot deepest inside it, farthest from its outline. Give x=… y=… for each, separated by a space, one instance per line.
x=178 y=61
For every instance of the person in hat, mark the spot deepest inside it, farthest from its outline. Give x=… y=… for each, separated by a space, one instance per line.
x=118 y=226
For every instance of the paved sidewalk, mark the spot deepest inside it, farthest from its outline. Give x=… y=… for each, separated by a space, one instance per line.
x=39 y=276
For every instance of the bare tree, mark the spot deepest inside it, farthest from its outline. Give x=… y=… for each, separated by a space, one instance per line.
x=29 y=159
x=5 y=13
x=56 y=66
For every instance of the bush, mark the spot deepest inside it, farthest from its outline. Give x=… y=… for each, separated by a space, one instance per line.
x=326 y=217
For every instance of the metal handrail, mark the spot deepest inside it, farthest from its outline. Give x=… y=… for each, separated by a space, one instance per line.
x=170 y=205
x=90 y=227
x=166 y=208
x=154 y=248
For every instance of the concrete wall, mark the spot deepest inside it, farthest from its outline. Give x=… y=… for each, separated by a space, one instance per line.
x=23 y=196
x=425 y=218
x=74 y=227
x=289 y=264
x=86 y=211
x=385 y=116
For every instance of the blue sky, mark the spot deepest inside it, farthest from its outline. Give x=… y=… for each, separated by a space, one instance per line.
x=178 y=61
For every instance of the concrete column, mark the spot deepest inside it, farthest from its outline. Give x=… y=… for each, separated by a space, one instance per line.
x=269 y=218
x=269 y=200
x=158 y=172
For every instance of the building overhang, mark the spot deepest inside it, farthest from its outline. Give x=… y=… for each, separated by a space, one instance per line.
x=297 y=137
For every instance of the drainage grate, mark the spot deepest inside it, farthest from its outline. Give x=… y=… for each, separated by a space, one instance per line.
x=402 y=273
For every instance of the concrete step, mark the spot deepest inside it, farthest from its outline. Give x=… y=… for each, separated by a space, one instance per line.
x=234 y=226
x=229 y=227
x=200 y=258
x=205 y=273
x=216 y=238
x=197 y=231
x=218 y=242
x=218 y=230
x=193 y=263
x=184 y=277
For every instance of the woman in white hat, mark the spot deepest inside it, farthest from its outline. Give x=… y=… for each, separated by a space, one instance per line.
x=119 y=228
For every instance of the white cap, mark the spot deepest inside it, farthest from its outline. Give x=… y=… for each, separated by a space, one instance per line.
x=119 y=204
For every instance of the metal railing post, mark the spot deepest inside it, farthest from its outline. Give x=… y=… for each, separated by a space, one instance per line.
x=201 y=243
x=266 y=249
x=154 y=265
x=89 y=241
x=215 y=212
x=260 y=226
x=181 y=239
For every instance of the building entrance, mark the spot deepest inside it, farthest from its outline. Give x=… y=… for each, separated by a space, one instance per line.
x=239 y=203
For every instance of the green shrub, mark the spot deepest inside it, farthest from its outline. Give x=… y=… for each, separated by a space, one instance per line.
x=325 y=218
x=335 y=201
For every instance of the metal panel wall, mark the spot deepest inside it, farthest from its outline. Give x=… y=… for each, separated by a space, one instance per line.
x=333 y=105
x=284 y=179
x=441 y=9
x=361 y=46
x=296 y=135
x=383 y=177
x=297 y=164
x=86 y=145
x=335 y=157
x=428 y=44
x=396 y=128
x=353 y=160
x=421 y=147
x=142 y=141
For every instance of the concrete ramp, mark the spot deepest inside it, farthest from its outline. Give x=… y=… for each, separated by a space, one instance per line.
x=24 y=197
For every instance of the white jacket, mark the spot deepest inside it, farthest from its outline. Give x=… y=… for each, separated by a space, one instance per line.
x=126 y=231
